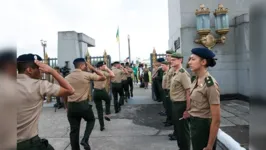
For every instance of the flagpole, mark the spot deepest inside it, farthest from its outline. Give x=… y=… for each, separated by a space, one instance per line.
x=119 y=50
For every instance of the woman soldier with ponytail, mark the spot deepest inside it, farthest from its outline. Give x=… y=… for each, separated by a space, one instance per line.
x=205 y=101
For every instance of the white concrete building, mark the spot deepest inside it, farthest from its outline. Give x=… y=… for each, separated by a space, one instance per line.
x=72 y=45
x=232 y=70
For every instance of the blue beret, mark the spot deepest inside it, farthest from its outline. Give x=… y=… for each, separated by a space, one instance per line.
x=160 y=60
x=78 y=60
x=28 y=58
x=8 y=56
x=100 y=63
x=203 y=53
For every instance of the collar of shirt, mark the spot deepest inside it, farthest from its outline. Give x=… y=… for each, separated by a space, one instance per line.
x=22 y=76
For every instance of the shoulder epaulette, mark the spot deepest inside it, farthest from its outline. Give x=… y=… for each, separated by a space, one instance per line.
x=193 y=78
x=182 y=70
x=209 y=81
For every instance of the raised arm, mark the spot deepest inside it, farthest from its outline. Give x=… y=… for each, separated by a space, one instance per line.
x=101 y=76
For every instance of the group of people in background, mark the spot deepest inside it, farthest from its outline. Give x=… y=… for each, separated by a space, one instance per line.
x=191 y=101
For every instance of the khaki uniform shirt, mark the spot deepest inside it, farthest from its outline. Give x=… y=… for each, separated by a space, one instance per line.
x=124 y=75
x=8 y=113
x=130 y=71
x=164 y=80
x=81 y=83
x=101 y=84
x=169 y=76
x=202 y=97
x=180 y=82
x=118 y=75
x=31 y=93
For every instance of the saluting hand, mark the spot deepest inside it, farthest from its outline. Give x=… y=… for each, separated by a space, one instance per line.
x=90 y=66
x=43 y=67
x=105 y=67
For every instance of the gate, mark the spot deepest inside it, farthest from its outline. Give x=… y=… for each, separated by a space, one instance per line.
x=94 y=60
x=153 y=58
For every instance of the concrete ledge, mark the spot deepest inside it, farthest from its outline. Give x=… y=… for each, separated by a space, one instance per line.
x=228 y=141
x=237 y=96
x=86 y=39
x=244 y=18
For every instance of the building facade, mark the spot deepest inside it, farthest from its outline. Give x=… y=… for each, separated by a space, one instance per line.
x=232 y=70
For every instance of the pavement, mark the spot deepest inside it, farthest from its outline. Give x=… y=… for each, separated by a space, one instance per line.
x=138 y=126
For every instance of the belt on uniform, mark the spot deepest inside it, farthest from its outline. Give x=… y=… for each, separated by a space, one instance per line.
x=166 y=90
x=29 y=142
x=179 y=102
x=116 y=83
x=99 y=89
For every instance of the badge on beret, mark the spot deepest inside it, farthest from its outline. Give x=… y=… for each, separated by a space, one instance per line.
x=209 y=81
x=35 y=57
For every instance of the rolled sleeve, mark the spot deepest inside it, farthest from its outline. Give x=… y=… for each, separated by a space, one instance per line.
x=106 y=74
x=91 y=76
x=49 y=89
x=213 y=94
x=185 y=81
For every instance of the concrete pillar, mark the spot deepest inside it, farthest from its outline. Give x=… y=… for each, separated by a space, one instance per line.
x=257 y=30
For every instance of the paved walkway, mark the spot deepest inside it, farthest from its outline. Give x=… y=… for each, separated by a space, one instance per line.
x=137 y=127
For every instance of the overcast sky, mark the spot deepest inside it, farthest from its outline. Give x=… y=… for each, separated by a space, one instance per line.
x=146 y=21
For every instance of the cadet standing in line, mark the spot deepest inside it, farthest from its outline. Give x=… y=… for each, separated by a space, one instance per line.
x=117 y=86
x=8 y=100
x=154 y=87
x=124 y=83
x=31 y=90
x=158 y=82
x=179 y=93
x=166 y=87
x=129 y=79
x=100 y=94
x=77 y=105
x=205 y=101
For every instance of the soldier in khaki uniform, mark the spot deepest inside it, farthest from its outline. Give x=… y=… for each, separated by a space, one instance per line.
x=129 y=80
x=8 y=100
x=124 y=82
x=77 y=104
x=205 y=101
x=31 y=90
x=179 y=93
x=100 y=94
x=117 y=86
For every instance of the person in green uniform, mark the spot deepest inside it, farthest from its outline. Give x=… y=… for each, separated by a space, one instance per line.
x=77 y=105
x=205 y=111
x=30 y=91
x=124 y=83
x=158 y=83
x=179 y=93
x=135 y=70
x=154 y=86
x=117 y=86
x=100 y=94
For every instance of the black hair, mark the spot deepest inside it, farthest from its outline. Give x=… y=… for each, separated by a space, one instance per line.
x=211 y=62
x=22 y=66
x=77 y=64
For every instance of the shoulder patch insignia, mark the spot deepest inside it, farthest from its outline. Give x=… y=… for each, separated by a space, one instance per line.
x=209 y=81
x=182 y=70
x=193 y=78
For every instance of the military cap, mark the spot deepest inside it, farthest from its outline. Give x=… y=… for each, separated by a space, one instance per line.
x=203 y=53
x=78 y=60
x=165 y=62
x=160 y=60
x=28 y=58
x=170 y=51
x=177 y=55
x=100 y=63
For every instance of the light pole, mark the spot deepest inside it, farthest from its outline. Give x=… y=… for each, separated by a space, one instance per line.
x=44 y=44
